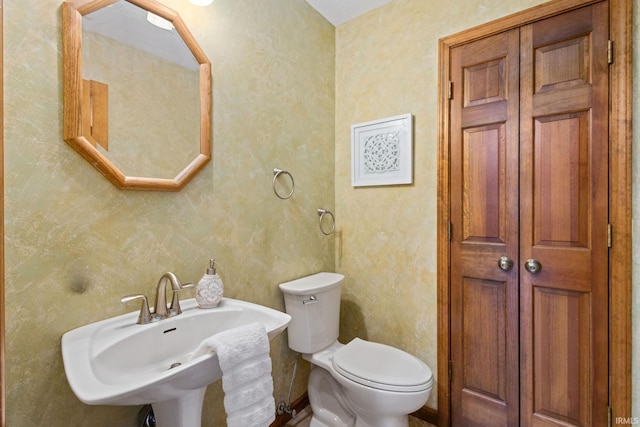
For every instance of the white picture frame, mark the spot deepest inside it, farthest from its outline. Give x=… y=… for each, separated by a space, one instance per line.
x=382 y=152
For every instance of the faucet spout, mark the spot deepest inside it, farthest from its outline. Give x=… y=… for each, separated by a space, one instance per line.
x=160 y=308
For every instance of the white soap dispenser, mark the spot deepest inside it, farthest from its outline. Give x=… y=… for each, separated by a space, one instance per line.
x=210 y=288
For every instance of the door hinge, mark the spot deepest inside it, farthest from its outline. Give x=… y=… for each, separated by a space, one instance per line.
x=450 y=89
x=609 y=235
x=610 y=52
x=609 y=416
x=450 y=370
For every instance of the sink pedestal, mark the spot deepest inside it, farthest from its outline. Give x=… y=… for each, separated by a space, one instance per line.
x=185 y=411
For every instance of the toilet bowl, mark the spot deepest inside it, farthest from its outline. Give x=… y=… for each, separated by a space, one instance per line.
x=361 y=383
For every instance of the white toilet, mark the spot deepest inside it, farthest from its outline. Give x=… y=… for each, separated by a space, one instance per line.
x=362 y=383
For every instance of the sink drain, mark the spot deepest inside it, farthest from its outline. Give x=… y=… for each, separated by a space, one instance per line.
x=175 y=365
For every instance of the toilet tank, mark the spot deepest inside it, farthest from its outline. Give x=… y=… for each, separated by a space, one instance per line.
x=314 y=305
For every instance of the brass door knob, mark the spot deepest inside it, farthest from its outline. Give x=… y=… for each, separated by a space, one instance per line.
x=533 y=266
x=505 y=263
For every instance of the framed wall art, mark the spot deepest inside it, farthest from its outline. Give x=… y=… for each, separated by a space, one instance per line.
x=382 y=152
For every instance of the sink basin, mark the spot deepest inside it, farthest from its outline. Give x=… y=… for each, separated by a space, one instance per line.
x=118 y=362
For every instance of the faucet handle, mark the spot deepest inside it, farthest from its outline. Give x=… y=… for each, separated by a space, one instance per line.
x=145 y=314
x=174 y=308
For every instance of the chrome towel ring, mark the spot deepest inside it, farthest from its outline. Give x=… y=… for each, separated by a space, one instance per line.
x=276 y=173
x=322 y=213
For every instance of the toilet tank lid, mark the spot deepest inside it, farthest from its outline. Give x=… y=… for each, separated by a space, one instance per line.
x=310 y=284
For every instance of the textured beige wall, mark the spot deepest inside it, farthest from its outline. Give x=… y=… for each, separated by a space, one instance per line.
x=386 y=64
x=75 y=244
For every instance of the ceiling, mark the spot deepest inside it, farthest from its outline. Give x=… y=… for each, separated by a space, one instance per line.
x=340 y=11
x=129 y=24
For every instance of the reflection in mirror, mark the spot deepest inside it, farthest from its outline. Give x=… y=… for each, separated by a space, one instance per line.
x=144 y=103
x=153 y=90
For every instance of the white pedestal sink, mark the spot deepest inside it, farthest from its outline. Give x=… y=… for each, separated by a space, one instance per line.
x=118 y=362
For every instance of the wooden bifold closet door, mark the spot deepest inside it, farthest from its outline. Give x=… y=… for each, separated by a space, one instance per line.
x=529 y=224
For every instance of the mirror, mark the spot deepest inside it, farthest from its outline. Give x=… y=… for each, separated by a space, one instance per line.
x=137 y=93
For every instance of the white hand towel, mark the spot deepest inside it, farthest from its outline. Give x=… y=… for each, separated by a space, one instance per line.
x=252 y=369
x=260 y=415
x=243 y=354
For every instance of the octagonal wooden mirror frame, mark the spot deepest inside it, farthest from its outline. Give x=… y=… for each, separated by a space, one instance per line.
x=73 y=11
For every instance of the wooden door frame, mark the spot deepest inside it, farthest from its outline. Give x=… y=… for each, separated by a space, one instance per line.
x=620 y=194
x=2 y=323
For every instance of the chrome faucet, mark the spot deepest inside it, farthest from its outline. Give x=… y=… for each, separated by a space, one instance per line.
x=160 y=307
x=160 y=310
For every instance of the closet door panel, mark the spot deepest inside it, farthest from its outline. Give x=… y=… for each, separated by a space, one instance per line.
x=563 y=319
x=564 y=217
x=484 y=180
x=484 y=190
x=562 y=208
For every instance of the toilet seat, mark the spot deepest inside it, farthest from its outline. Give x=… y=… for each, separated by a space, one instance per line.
x=382 y=367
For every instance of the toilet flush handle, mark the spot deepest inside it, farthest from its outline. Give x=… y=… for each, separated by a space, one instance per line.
x=312 y=300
